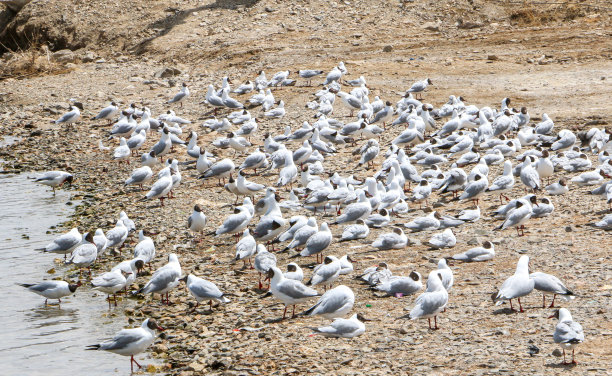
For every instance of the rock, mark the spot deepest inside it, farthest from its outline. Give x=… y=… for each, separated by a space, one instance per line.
x=387 y=48
x=557 y=353
x=473 y=241
x=492 y=57
x=88 y=57
x=167 y=72
x=431 y=26
x=502 y=332
x=63 y=56
x=568 y=229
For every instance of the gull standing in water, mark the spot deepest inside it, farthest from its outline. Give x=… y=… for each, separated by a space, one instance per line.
x=55 y=179
x=66 y=243
x=130 y=342
x=52 y=289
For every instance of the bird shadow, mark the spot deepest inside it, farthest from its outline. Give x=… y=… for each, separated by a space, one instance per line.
x=561 y=365
x=504 y=311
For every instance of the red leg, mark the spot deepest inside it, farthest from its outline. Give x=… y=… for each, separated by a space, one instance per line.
x=511 y=304
x=552 y=305
x=134 y=360
x=543 y=301
x=573 y=361
x=260 y=285
x=564 y=362
x=436 y=322
x=293 y=312
x=429 y=321
x=285 y=312
x=210 y=304
x=520 y=306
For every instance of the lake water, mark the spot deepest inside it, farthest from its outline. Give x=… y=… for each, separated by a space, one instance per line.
x=39 y=340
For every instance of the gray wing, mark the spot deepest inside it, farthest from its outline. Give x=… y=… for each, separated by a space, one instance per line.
x=331 y=303
x=428 y=303
x=205 y=289
x=65 y=117
x=104 y=113
x=122 y=340
x=43 y=286
x=139 y=175
x=296 y=289
x=548 y=283
x=571 y=332
x=177 y=97
x=472 y=190
x=50 y=175
x=160 y=280
x=107 y=280
x=231 y=223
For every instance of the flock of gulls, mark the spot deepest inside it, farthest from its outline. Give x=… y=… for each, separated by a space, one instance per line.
x=443 y=153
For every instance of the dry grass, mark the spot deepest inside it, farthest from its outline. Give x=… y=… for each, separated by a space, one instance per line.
x=31 y=63
x=541 y=14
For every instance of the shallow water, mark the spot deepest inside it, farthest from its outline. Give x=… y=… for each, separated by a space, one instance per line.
x=39 y=340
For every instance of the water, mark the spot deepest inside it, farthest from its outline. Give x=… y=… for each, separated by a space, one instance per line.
x=39 y=340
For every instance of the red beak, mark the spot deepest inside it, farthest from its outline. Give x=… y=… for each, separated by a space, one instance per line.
x=160 y=328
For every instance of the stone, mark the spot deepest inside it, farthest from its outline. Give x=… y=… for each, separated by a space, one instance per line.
x=431 y=26
x=473 y=241
x=387 y=48
x=88 y=57
x=492 y=57
x=167 y=72
x=63 y=56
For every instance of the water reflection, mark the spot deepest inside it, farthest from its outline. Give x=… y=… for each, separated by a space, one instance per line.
x=39 y=339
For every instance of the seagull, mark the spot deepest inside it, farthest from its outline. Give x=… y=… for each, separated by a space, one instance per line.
x=136 y=140
x=343 y=328
x=277 y=112
x=475 y=189
x=264 y=261
x=197 y=220
x=445 y=239
x=308 y=74
x=55 y=179
x=391 y=240
x=220 y=170
x=181 y=96
x=236 y=222
x=117 y=235
x=516 y=286
x=161 y=187
x=110 y=283
x=52 y=289
x=419 y=86
x=504 y=182
x=485 y=252
x=107 y=113
x=429 y=222
x=318 y=242
x=399 y=286
x=335 y=303
x=518 y=216
x=69 y=117
x=568 y=333
x=140 y=176
x=356 y=210
x=164 y=279
x=65 y=243
x=202 y=289
x=85 y=254
x=469 y=215
x=122 y=152
x=446 y=274
x=294 y=272
x=358 y=230
x=421 y=192
x=130 y=342
x=431 y=302
x=246 y=247
x=301 y=235
x=550 y=285
x=326 y=273
x=289 y=291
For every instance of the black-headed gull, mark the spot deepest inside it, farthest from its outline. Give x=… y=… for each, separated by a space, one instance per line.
x=391 y=240
x=326 y=273
x=336 y=302
x=568 y=333
x=202 y=289
x=164 y=279
x=65 y=243
x=197 y=220
x=431 y=302
x=343 y=328
x=519 y=215
x=52 y=289
x=85 y=254
x=140 y=176
x=264 y=260
x=358 y=230
x=294 y=272
x=550 y=285
x=55 y=179
x=107 y=113
x=516 y=286
x=483 y=253
x=69 y=117
x=130 y=342
x=181 y=95
x=110 y=283
x=399 y=286
x=289 y=291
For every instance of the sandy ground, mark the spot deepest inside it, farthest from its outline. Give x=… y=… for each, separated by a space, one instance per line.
x=567 y=77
